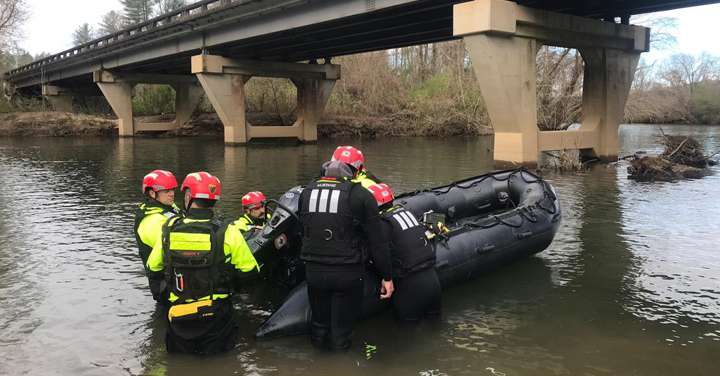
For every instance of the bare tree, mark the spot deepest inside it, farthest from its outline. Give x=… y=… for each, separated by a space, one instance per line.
x=661 y=30
x=111 y=22
x=685 y=70
x=13 y=13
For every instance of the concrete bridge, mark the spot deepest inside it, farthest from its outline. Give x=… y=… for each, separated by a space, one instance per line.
x=218 y=45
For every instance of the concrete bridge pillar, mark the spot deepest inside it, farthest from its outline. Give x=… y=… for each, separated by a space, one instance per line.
x=119 y=95
x=224 y=82
x=503 y=39
x=60 y=98
x=606 y=85
x=117 y=89
x=187 y=97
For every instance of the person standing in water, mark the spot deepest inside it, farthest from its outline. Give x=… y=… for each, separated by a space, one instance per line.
x=203 y=258
x=417 y=287
x=335 y=215
x=355 y=158
x=159 y=187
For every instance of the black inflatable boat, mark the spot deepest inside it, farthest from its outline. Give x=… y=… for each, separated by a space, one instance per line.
x=493 y=220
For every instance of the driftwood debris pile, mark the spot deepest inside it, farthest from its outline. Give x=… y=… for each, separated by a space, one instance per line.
x=683 y=157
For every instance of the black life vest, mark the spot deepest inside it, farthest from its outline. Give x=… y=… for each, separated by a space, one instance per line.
x=194 y=258
x=332 y=234
x=409 y=246
x=149 y=208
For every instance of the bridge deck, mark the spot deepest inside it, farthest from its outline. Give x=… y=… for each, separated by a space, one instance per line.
x=282 y=30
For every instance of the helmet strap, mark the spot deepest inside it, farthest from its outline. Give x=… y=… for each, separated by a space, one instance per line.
x=189 y=203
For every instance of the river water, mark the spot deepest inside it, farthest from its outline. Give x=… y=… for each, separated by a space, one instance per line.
x=631 y=284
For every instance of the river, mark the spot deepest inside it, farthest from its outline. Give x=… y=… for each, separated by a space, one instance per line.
x=631 y=284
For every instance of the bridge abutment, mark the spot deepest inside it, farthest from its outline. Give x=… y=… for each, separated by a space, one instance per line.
x=60 y=98
x=117 y=89
x=503 y=40
x=224 y=82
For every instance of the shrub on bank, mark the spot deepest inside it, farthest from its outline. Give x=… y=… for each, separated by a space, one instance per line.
x=153 y=100
x=22 y=104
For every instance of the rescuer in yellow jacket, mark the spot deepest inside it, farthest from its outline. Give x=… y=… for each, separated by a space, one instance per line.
x=159 y=186
x=357 y=160
x=255 y=217
x=203 y=258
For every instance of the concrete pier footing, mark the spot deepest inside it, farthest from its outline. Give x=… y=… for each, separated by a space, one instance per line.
x=224 y=82
x=503 y=39
x=60 y=98
x=117 y=89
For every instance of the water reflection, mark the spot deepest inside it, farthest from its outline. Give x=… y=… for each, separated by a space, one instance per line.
x=677 y=286
x=630 y=284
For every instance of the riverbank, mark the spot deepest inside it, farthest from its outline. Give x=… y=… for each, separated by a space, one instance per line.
x=63 y=124
x=55 y=124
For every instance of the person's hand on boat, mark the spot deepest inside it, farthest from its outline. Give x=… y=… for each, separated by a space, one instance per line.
x=387 y=289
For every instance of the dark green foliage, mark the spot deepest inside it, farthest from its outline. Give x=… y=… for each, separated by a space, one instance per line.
x=153 y=100
x=111 y=22
x=165 y=6
x=137 y=11
x=83 y=34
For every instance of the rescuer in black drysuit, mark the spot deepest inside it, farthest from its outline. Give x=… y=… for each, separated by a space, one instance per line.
x=335 y=215
x=417 y=287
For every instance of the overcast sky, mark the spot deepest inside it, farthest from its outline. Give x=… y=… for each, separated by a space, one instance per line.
x=52 y=23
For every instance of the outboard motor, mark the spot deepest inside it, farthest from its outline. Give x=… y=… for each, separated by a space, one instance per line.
x=276 y=247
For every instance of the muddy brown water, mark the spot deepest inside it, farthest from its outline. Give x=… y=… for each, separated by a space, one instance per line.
x=631 y=284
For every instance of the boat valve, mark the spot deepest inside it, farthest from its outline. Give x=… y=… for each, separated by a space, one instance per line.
x=524 y=234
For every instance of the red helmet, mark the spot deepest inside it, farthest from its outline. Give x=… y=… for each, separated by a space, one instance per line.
x=253 y=200
x=159 y=180
x=382 y=193
x=202 y=185
x=349 y=155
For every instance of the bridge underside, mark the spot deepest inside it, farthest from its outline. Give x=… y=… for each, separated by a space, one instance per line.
x=292 y=30
x=501 y=37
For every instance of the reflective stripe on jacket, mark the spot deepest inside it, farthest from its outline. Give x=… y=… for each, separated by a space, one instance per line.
x=235 y=249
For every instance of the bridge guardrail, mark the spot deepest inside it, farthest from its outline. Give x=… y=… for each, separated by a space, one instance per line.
x=181 y=14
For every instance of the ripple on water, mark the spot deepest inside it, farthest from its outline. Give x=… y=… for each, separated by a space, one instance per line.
x=630 y=284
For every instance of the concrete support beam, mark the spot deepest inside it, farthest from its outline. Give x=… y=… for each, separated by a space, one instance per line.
x=501 y=17
x=222 y=65
x=142 y=78
x=606 y=86
x=503 y=39
x=187 y=97
x=313 y=95
x=60 y=98
x=117 y=89
x=505 y=69
x=224 y=82
x=119 y=95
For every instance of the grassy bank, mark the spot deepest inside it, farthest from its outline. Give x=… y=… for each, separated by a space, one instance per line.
x=63 y=124
x=55 y=124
